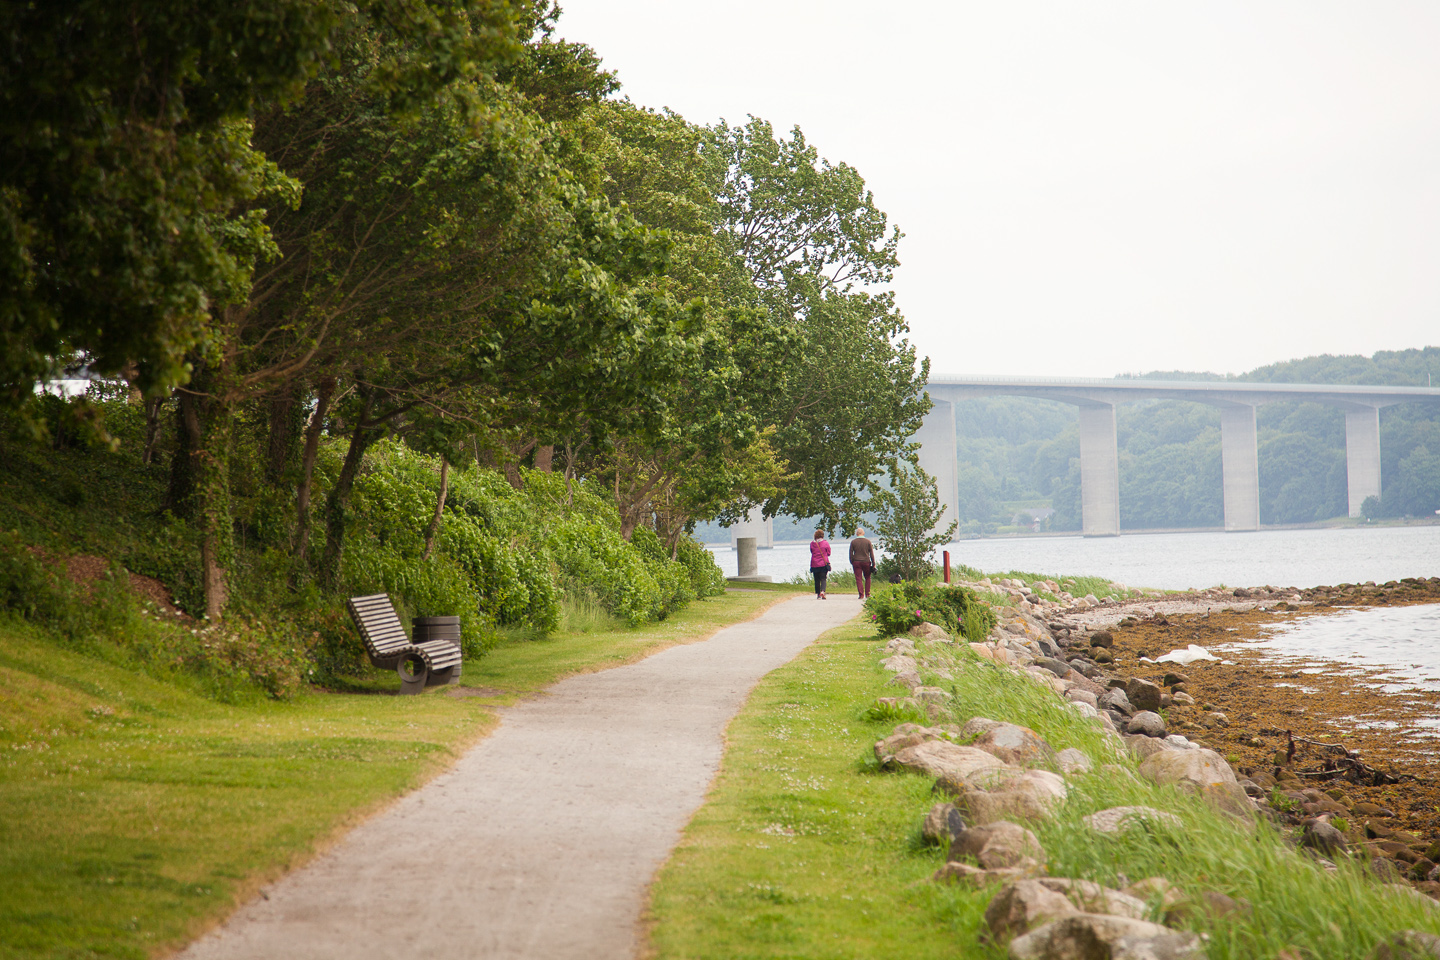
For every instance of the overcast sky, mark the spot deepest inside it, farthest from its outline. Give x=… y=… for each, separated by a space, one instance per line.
x=1090 y=188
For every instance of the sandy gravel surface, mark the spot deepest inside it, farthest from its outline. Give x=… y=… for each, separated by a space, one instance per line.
x=540 y=843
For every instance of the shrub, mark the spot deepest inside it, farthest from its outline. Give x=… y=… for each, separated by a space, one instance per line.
x=895 y=608
x=706 y=577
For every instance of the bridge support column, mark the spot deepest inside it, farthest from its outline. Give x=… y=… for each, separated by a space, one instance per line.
x=1099 y=471
x=756 y=527
x=938 y=457
x=1240 y=464
x=1362 y=455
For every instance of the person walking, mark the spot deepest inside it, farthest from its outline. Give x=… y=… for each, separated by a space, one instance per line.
x=819 y=562
x=862 y=561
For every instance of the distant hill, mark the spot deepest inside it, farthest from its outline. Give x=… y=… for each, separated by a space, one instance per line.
x=1017 y=448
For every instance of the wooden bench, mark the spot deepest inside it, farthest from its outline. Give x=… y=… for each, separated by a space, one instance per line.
x=420 y=665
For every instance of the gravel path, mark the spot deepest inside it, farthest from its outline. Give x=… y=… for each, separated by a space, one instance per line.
x=540 y=843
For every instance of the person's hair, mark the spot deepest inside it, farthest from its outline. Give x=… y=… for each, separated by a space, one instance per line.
x=859 y=531
x=819 y=534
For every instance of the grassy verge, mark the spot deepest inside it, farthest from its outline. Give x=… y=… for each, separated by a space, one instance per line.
x=135 y=812
x=806 y=849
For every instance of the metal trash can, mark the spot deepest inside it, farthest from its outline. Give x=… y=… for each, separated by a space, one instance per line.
x=425 y=629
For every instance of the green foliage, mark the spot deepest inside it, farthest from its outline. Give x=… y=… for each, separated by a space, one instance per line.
x=908 y=515
x=895 y=608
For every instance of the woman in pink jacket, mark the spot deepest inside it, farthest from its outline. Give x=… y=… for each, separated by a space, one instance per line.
x=819 y=562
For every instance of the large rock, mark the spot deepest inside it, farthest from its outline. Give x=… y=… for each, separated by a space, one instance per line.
x=1116 y=699
x=989 y=796
x=909 y=735
x=1073 y=760
x=1200 y=771
x=1408 y=945
x=942 y=825
x=929 y=631
x=1120 y=819
x=900 y=663
x=1143 y=747
x=909 y=678
x=1142 y=694
x=1147 y=723
x=1026 y=904
x=940 y=758
x=1323 y=838
x=1016 y=744
x=1058 y=667
x=997 y=845
x=1077 y=695
x=900 y=645
x=1094 y=936
x=973 y=876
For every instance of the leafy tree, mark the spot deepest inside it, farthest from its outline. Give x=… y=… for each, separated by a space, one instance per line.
x=907 y=519
x=126 y=176
x=817 y=253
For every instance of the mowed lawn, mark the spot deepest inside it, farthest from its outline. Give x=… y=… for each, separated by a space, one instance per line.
x=135 y=813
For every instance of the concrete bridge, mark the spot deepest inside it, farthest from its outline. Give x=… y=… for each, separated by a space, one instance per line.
x=1099 y=456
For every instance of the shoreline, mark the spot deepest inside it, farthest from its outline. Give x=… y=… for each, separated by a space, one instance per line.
x=1252 y=705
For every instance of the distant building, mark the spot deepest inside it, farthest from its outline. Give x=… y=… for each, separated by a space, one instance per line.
x=1032 y=518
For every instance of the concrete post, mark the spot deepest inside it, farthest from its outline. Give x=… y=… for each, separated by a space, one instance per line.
x=754 y=525
x=938 y=458
x=747 y=561
x=1240 y=465
x=1362 y=455
x=1099 y=471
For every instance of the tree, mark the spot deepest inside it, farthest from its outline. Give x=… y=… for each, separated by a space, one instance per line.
x=907 y=518
x=124 y=178
x=817 y=253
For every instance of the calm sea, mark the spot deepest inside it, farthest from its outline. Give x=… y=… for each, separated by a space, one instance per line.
x=1179 y=561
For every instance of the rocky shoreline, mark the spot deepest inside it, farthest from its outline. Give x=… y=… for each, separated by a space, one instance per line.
x=1222 y=730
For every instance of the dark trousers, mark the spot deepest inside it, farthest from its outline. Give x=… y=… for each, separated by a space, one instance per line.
x=819 y=573
x=862 y=578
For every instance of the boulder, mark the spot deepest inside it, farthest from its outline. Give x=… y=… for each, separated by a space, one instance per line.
x=997 y=845
x=1016 y=744
x=1142 y=694
x=1146 y=723
x=1083 y=936
x=929 y=631
x=940 y=758
x=991 y=651
x=1180 y=743
x=1079 y=695
x=1142 y=746
x=1120 y=819
x=1182 y=698
x=1172 y=678
x=1408 y=945
x=900 y=663
x=992 y=796
x=909 y=735
x=942 y=825
x=1323 y=838
x=1203 y=772
x=900 y=645
x=909 y=678
x=1073 y=760
x=1115 y=699
x=1058 y=667
x=1158 y=891
x=977 y=727
x=970 y=875
x=1102 y=639
x=931 y=694
x=1022 y=906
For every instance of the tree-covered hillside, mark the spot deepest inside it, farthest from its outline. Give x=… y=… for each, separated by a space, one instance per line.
x=1021 y=449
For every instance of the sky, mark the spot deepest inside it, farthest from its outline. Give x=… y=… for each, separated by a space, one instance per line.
x=1091 y=189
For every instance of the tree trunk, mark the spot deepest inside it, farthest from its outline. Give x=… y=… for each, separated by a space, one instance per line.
x=324 y=392
x=180 y=494
x=434 y=530
x=152 y=428
x=361 y=437
x=206 y=420
x=282 y=443
x=545 y=457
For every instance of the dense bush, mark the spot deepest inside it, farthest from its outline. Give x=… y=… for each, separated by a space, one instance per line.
x=895 y=608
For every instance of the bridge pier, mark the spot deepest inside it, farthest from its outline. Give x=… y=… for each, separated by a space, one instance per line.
x=1240 y=466
x=1099 y=471
x=755 y=526
x=1362 y=455
x=939 y=458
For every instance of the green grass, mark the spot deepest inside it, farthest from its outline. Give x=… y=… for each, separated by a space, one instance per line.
x=135 y=811
x=805 y=849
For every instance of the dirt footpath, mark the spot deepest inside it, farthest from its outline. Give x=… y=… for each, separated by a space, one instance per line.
x=540 y=843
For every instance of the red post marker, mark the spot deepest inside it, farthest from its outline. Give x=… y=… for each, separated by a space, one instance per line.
x=947 y=565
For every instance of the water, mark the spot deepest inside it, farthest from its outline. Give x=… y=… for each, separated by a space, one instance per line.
x=1178 y=561
x=1395 y=646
